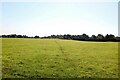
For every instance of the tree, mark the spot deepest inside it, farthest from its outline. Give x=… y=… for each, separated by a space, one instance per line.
x=84 y=37
x=68 y=36
x=110 y=37
x=19 y=36
x=117 y=38
x=36 y=37
x=53 y=36
x=100 y=37
x=24 y=36
x=4 y=36
x=93 y=38
x=13 y=36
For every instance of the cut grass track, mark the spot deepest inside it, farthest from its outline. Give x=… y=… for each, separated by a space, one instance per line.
x=55 y=58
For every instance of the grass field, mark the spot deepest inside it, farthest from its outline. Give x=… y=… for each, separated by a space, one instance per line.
x=55 y=58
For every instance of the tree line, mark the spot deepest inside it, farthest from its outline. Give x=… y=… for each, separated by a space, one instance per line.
x=83 y=37
x=17 y=36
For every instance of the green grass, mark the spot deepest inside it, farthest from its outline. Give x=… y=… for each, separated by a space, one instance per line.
x=55 y=58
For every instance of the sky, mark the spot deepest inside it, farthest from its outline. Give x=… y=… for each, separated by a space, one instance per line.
x=47 y=18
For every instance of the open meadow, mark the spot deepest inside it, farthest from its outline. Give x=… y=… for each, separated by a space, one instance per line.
x=56 y=58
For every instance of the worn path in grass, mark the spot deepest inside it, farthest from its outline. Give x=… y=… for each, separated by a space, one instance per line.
x=41 y=58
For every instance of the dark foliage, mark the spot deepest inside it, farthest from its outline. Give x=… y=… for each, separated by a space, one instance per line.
x=36 y=37
x=83 y=37
x=14 y=36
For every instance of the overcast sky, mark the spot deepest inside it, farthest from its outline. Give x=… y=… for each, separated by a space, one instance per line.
x=47 y=18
